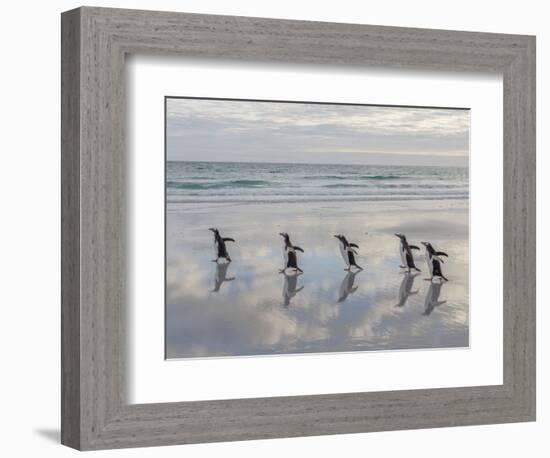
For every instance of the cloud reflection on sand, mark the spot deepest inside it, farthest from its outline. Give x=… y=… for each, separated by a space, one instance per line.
x=325 y=309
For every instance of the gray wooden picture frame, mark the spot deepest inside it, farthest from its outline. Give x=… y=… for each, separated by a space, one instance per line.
x=95 y=41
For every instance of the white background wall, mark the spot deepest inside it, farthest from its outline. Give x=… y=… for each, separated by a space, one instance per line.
x=29 y=227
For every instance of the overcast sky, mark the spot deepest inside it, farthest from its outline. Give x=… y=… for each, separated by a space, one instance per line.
x=249 y=131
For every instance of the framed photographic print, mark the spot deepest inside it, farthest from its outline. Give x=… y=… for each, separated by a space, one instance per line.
x=280 y=228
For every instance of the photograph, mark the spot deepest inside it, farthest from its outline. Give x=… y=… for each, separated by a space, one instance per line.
x=300 y=227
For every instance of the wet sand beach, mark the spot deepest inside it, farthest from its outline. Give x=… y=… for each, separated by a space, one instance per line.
x=247 y=307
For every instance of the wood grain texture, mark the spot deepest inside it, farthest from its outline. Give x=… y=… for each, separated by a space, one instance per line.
x=95 y=413
x=70 y=229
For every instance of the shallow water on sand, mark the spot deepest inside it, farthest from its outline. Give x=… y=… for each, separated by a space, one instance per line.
x=248 y=308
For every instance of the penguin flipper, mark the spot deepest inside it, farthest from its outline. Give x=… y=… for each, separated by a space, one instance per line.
x=441 y=253
x=228 y=239
x=297 y=248
x=354 y=245
x=414 y=247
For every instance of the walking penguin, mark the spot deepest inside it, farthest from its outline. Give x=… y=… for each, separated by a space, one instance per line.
x=290 y=256
x=348 y=252
x=220 y=250
x=405 y=250
x=433 y=258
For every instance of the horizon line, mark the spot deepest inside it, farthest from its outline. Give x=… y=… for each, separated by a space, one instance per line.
x=319 y=163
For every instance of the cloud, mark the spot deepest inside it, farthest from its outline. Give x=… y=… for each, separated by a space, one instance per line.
x=222 y=130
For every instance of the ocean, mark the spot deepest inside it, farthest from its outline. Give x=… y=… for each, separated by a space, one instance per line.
x=237 y=182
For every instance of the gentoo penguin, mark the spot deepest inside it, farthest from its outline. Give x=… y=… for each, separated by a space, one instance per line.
x=347 y=288
x=433 y=258
x=432 y=298
x=348 y=251
x=289 y=288
x=405 y=290
x=221 y=276
x=220 y=250
x=407 y=259
x=289 y=251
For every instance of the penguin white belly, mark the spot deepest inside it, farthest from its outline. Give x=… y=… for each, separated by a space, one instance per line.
x=430 y=263
x=285 y=257
x=402 y=254
x=215 y=246
x=344 y=253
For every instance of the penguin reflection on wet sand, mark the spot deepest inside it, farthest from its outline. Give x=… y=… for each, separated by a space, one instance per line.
x=405 y=251
x=432 y=298
x=348 y=251
x=290 y=256
x=220 y=250
x=405 y=290
x=289 y=288
x=221 y=276
x=347 y=287
x=433 y=258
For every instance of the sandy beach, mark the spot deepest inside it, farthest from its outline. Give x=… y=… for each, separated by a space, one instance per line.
x=248 y=308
